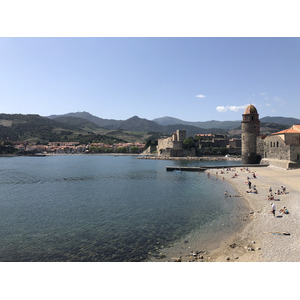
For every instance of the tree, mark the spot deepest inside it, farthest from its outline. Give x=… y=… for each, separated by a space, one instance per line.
x=134 y=149
x=188 y=143
x=121 y=150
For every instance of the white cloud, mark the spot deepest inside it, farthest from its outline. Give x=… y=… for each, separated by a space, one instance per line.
x=234 y=108
x=200 y=96
x=221 y=108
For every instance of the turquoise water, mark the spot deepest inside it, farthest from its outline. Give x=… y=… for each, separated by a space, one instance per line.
x=103 y=208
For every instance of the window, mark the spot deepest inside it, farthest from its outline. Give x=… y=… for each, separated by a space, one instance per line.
x=277 y=144
x=270 y=144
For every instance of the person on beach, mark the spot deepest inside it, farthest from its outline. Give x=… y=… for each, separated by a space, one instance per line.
x=271 y=197
x=270 y=190
x=283 y=189
x=254 y=191
x=273 y=209
x=226 y=194
x=284 y=210
x=249 y=184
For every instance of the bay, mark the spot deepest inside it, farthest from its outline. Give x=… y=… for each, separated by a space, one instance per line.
x=106 y=208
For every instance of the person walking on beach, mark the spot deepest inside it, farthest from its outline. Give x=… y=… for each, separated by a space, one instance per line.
x=273 y=209
x=249 y=184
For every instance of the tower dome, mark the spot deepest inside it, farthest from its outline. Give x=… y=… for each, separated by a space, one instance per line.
x=251 y=109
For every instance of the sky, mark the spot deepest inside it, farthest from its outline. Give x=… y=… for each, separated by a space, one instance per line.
x=193 y=79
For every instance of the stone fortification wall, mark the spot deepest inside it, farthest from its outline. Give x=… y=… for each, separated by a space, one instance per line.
x=150 y=150
x=295 y=153
x=176 y=152
x=260 y=150
x=168 y=143
x=275 y=148
x=182 y=152
x=276 y=163
x=164 y=143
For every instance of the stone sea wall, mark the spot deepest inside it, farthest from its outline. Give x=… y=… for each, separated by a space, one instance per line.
x=202 y=158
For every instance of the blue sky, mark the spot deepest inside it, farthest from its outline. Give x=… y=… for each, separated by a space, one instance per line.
x=194 y=79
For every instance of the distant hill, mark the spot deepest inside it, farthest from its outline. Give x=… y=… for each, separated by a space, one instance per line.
x=225 y=125
x=103 y=123
x=281 y=120
x=265 y=129
x=76 y=122
x=34 y=128
x=136 y=124
x=25 y=127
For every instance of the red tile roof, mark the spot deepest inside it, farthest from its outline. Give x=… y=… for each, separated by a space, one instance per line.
x=293 y=129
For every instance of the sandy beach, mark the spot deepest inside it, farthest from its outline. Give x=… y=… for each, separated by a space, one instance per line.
x=264 y=238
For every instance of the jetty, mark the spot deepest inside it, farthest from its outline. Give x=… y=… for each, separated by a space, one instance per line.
x=204 y=168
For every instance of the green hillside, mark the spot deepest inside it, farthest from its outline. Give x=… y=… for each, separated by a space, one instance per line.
x=34 y=128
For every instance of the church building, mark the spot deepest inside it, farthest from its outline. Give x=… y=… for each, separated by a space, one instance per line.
x=280 y=149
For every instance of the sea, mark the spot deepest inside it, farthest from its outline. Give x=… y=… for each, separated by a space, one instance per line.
x=106 y=208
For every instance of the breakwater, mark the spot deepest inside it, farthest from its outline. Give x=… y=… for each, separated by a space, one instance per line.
x=192 y=158
x=204 y=168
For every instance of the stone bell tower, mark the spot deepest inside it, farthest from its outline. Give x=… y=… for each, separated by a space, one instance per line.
x=250 y=130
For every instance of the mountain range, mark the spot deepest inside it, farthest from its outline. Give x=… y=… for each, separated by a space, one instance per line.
x=85 y=127
x=167 y=125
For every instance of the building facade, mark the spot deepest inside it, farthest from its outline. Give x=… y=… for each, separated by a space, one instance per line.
x=281 y=149
x=173 y=146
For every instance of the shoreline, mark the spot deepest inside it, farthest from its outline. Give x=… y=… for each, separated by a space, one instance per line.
x=262 y=237
x=201 y=246
x=265 y=238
